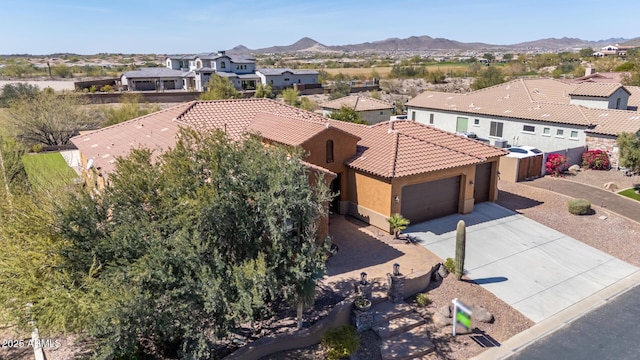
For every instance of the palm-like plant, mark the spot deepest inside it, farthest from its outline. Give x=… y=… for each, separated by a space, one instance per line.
x=398 y=223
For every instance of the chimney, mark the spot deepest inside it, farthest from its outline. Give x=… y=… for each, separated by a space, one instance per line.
x=222 y=52
x=589 y=71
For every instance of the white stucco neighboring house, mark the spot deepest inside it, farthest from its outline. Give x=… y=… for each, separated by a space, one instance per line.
x=548 y=114
x=372 y=110
x=281 y=78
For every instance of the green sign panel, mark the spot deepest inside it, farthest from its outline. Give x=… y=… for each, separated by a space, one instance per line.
x=464 y=319
x=462 y=315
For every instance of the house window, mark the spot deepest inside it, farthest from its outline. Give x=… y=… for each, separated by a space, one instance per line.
x=223 y=65
x=299 y=81
x=528 y=128
x=559 y=133
x=476 y=122
x=546 y=131
x=413 y=115
x=618 y=103
x=271 y=82
x=574 y=134
x=496 y=129
x=286 y=79
x=381 y=113
x=329 y=146
x=430 y=119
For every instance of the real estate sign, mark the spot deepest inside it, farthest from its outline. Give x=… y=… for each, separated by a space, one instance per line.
x=461 y=315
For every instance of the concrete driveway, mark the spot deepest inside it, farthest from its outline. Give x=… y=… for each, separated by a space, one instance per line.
x=535 y=269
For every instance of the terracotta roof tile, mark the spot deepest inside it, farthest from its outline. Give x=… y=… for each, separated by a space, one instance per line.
x=544 y=100
x=612 y=122
x=155 y=131
x=390 y=149
x=595 y=89
x=284 y=130
x=358 y=103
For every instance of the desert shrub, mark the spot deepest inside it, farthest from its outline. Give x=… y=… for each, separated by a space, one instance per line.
x=579 y=206
x=596 y=160
x=422 y=300
x=106 y=88
x=37 y=148
x=450 y=264
x=93 y=89
x=340 y=342
x=556 y=164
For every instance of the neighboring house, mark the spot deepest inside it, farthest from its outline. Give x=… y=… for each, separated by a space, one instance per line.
x=192 y=72
x=548 y=114
x=147 y=79
x=616 y=49
x=284 y=77
x=372 y=110
x=378 y=170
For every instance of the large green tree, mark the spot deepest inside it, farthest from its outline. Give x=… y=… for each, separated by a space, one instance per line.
x=196 y=242
x=629 y=150
x=48 y=118
x=220 y=88
x=489 y=77
x=346 y=114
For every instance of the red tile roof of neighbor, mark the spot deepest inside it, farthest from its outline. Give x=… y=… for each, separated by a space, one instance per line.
x=358 y=103
x=390 y=149
x=545 y=100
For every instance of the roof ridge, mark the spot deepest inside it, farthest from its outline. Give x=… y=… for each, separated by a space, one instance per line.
x=526 y=89
x=395 y=154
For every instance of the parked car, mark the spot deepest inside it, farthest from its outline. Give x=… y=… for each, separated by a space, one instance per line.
x=523 y=151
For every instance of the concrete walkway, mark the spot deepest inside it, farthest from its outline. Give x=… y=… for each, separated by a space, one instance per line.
x=603 y=198
x=535 y=269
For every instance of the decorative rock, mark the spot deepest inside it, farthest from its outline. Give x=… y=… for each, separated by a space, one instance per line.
x=574 y=168
x=603 y=217
x=442 y=271
x=441 y=320
x=481 y=314
x=445 y=310
x=611 y=186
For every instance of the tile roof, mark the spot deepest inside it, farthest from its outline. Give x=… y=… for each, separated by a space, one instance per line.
x=158 y=72
x=389 y=149
x=544 y=100
x=280 y=71
x=283 y=129
x=595 y=89
x=358 y=103
x=612 y=122
x=156 y=131
x=402 y=148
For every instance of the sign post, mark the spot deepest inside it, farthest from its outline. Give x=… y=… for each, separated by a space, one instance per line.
x=461 y=315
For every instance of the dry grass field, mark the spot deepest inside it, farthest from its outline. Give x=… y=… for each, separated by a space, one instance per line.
x=384 y=71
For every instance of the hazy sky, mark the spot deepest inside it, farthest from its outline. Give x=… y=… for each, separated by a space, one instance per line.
x=194 y=26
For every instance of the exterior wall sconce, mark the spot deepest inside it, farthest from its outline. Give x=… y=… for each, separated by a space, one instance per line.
x=396 y=269
x=363 y=278
x=471 y=182
x=397 y=198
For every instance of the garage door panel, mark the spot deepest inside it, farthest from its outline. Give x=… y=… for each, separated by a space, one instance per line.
x=431 y=200
x=482 y=183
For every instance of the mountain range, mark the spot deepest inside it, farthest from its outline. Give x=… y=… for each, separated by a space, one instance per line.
x=423 y=43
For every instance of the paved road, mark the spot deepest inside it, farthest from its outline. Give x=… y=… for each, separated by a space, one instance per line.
x=609 y=332
x=603 y=198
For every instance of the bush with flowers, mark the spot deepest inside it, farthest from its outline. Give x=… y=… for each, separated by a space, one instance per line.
x=556 y=164
x=596 y=160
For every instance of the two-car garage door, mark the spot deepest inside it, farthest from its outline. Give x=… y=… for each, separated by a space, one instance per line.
x=430 y=200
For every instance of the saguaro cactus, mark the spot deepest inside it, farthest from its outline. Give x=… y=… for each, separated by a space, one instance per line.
x=461 y=239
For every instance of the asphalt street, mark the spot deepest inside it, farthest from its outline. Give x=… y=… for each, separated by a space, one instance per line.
x=608 y=332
